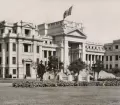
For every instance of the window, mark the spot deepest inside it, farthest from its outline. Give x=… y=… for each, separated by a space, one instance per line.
x=116 y=65
x=110 y=66
x=14 y=71
x=107 y=66
x=27 y=48
x=0 y=60
x=110 y=58
x=106 y=58
x=89 y=57
x=14 y=30
x=49 y=53
x=37 y=49
x=109 y=48
x=0 y=47
x=92 y=57
x=14 y=47
x=116 y=57
x=7 y=71
x=27 y=32
x=50 y=42
x=37 y=60
x=2 y=31
x=9 y=31
x=7 y=60
x=45 y=63
x=0 y=72
x=14 y=60
x=45 y=54
x=7 y=46
x=54 y=53
x=116 y=46
x=45 y=42
x=86 y=57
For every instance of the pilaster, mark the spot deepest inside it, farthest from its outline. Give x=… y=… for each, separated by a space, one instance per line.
x=66 y=59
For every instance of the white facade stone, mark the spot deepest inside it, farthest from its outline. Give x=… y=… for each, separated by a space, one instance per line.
x=63 y=39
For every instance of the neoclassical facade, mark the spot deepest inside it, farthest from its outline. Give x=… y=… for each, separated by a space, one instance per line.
x=23 y=44
x=112 y=55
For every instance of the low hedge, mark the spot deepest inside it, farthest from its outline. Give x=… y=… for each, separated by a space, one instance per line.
x=108 y=79
x=28 y=83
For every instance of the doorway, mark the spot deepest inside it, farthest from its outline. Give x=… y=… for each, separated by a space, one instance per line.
x=28 y=74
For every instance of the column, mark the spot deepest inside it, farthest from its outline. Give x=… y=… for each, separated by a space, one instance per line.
x=83 y=52
x=91 y=60
x=79 y=51
x=3 y=58
x=20 y=65
x=94 y=59
x=61 y=55
x=66 y=62
x=9 y=56
x=88 y=59
x=34 y=51
x=40 y=50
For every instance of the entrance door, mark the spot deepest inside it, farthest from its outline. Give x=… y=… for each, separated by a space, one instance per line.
x=28 y=70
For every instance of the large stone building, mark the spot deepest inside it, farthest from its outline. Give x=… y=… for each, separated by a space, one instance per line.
x=22 y=44
x=112 y=55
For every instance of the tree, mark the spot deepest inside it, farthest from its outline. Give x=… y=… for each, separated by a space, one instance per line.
x=76 y=66
x=54 y=65
x=97 y=67
x=40 y=70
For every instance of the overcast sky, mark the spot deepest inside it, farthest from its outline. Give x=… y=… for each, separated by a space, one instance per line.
x=101 y=18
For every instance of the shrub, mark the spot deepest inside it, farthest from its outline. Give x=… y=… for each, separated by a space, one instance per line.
x=30 y=83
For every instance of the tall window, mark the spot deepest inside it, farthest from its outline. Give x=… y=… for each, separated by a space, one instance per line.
x=0 y=47
x=107 y=66
x=116 y=57
x=116 y=46
x=0 y=60
x=110 y=66
x=116 y=65
x=14 y=47
x=14 y=60
x=106 y=58
x=0 y=72
x=86 y=57
x=7 y=46
x=7 y=60
x=54 y=53
x=27 y=48
x=2 y=31
x=37 y=49
x=110 y=58
x=49 y=53
x=14 y=71
x=45 y=54
x=6 y=71
x=37 y=60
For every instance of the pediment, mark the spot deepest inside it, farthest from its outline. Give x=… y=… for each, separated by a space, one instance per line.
x=76 y=33
x=28 y=26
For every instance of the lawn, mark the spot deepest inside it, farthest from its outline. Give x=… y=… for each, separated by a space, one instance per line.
x=59 y=95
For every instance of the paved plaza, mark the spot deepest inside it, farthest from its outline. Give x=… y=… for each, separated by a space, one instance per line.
x=59 y=95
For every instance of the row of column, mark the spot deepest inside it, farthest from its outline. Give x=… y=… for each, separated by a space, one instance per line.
x=90 y=58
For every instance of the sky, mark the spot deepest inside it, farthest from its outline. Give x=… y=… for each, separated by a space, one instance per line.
x=100 y=18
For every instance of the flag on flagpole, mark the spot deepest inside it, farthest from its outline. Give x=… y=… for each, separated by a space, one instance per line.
x=67 y=12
